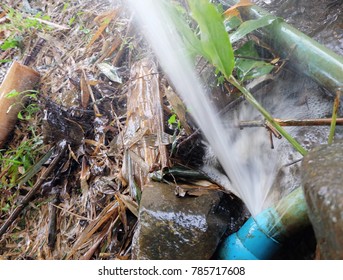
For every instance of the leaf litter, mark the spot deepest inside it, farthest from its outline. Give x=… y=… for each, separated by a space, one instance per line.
x=82 y=209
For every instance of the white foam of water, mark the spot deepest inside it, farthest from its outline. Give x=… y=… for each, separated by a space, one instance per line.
x=239 y=154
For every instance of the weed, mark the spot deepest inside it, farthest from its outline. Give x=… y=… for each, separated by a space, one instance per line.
x=17 y=161
x=174 y=121
x=31 y=109
x=18 y=25
x=20 y=159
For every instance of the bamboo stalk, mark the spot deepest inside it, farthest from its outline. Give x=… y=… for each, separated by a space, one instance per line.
x=307 y=56
x=19 y=78
x=145 y=117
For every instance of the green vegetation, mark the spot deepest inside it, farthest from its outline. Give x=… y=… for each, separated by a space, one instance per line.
x=18 y=25
x=174 y=121
x=215 y=45
x=29 y=110
x=17 y=161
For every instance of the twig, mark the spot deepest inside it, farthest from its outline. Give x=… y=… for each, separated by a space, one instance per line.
x=197 y=131
x=292 y=122
x=249 y=97
x=72 y=214
x=53 y=222
x=273 y=130
x=334 y=117
x=33 y=191
x=120 y=53
x=254 y=58
x=293 y=162
x=31 y=57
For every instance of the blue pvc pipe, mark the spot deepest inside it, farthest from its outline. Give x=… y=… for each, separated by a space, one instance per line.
x=262 y=236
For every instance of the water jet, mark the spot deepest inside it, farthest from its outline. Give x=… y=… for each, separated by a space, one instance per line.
x=263 y=233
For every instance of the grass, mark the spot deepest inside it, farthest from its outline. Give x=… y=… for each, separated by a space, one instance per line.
x=17 y=161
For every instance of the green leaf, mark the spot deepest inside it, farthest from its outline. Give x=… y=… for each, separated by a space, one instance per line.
x=20 y=116
x=28 y=93
x=71 y=20
x=214 y=38
x=5 y=60
x=172 y=119
x=232 y=23
x=191 y=41
x=12 y=93
x=251 y=25
x=247 y=69
x=254 y=70
x=10 y=43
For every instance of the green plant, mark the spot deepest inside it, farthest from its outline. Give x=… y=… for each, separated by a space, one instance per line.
x=31 y=109
x=17 y=161
x=174 y=121
x=215 y=45
x=247 y=64
x=19 y=24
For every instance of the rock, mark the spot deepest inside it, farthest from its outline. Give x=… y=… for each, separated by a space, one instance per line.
x=176 y=228
x=323 y=188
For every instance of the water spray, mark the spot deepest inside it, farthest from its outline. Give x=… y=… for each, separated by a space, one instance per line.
x=262 y=236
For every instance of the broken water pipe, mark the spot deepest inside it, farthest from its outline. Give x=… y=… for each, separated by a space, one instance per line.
x=262 y=236
x=264 y=232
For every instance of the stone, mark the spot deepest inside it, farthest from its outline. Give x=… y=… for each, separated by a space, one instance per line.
x=177 y=228
x=323 y=189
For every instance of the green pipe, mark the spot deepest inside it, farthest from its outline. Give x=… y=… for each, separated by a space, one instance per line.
x=308 y=56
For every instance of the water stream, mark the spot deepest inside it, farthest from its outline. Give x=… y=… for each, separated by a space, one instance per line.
x=250 y=167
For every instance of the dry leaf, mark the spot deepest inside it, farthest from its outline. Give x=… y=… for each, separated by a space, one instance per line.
x=110 y=72
x=122 y=213
x=109 y=212
x=130 y=204
x=85 y=90
x=232 y=11
x=104 y=23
